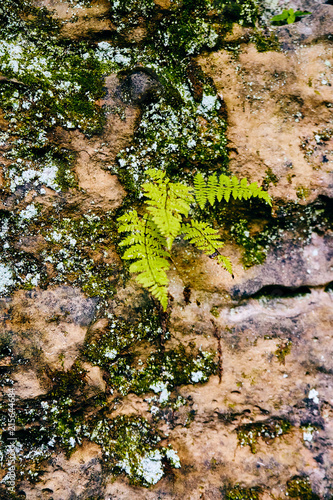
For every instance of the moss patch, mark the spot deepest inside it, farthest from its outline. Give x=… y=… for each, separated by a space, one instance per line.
x=238 y=493
x=300 y=487
x=283 y=350
x=268 y=430
x=119 y=352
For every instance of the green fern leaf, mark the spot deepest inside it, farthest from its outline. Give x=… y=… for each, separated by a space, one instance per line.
x=200 y=190
x=212 y=188
x=167 y=202
x=147 y=250
x=225 y=262
x=207 y=239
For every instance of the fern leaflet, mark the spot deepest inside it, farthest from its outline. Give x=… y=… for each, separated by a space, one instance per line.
x=146 y=248
x=207 y=239
x=200 y=190
x=167 y=202
x=225 y=187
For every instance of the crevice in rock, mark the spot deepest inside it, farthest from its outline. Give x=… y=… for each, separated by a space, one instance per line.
x=280 y=291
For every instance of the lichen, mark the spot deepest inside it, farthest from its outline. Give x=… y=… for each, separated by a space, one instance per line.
x=130 y=445
x=75 y=251
x=255 y=248
x=161 y=371
x=54 y=82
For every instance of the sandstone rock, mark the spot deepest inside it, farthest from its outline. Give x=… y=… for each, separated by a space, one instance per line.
x=80 y=21
x=94 y=376
x=27 y=385
x=77 y=478
x=139 y=85
x=274 y=101
x=265 y=414
x=48 y=326
x=316 y=27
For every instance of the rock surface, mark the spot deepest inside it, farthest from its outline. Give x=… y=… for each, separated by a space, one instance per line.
x=229 y=393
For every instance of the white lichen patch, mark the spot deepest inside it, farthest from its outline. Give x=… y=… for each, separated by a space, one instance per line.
x=149 y=469
x=29 y=212
x=313 y=394
x=110 y=353
x=158 y=386
x=173 y=458
x=197 y=376
x=208 y=104
x=308 y=433
x=162 y=388
x=6 y=278
x=113 y=56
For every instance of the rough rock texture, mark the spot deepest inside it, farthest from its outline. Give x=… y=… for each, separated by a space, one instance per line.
x=229 y=394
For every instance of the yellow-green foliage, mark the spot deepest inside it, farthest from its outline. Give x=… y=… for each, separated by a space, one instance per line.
x=206 y=239
x=225 y=187
x=147 y=249
x=167 y=203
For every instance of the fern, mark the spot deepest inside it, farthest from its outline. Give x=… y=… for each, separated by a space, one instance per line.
x=147 y=249
x=207 y=239
x=225 y=187
x=167 y=202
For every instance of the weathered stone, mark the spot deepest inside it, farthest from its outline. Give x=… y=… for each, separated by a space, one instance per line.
x=317 y=26
x=280 y=101
x=265 y=413
x=139 y=85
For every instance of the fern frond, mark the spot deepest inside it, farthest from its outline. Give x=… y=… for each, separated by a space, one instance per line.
x=167 y=202
x=200 y=190
x=207 y=239
x=212 y=188
x=225 y=262
x=147 y=250
x=225 y=187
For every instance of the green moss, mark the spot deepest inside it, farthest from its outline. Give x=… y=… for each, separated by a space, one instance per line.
x=300 y=487
x=76 y=251
x=270 y=178
x=264 y=232
x=129 y=445
x=254 y=247
x=215 y=311
x=266 y=41
x=268 y=430
x=172 y=134
x=78 y=248
x=238 y=493
x=70 y=412
x=161 y=371
x=283 y=350
x=302 y=192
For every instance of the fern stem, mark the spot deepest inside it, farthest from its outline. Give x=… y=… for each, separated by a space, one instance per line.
x=146 y=246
